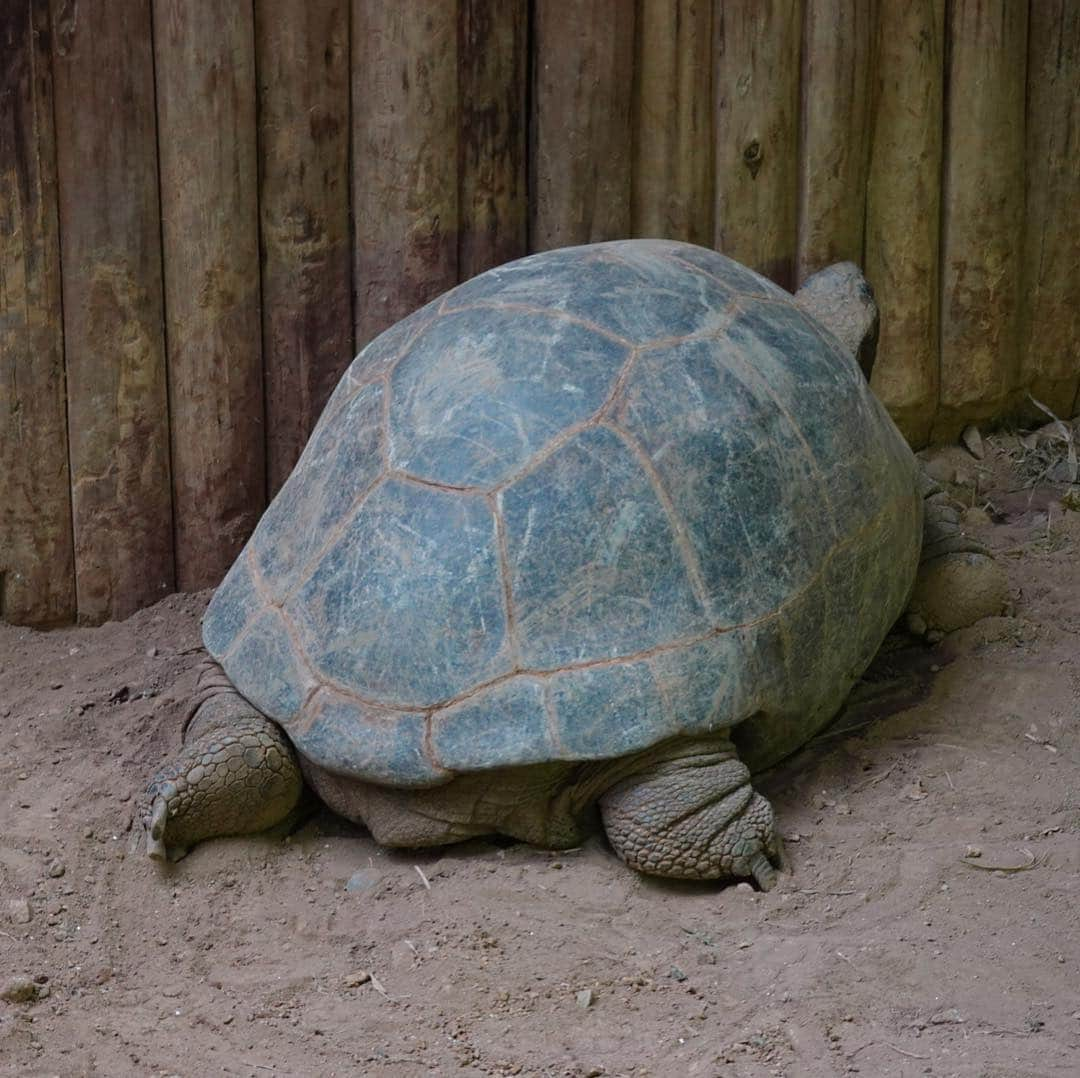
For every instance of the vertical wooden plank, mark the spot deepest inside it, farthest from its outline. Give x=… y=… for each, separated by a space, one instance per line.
x=672 y=194
x=405 y=157
x=37 y=576
x=581 y=137
x=756 y=90
x=903 y=210
x=837 y=69
x=302 y=55
x=493 y=68
x=983 y=207
x=1051 y=326
x=206 y=116
x=111 y=262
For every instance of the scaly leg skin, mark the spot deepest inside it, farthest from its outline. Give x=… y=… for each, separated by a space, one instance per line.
x=958 y=582
x=691 y=813
x=236 y=774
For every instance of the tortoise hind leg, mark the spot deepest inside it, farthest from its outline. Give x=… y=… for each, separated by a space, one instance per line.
x=236 y=774
x=690 y=813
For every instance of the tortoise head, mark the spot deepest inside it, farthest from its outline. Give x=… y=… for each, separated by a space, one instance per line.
x=841 y=299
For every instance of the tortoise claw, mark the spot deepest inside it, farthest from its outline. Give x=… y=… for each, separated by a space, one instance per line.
x=762 y=870
x=155 y=830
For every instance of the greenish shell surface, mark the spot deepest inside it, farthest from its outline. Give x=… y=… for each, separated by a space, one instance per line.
x=582 y=503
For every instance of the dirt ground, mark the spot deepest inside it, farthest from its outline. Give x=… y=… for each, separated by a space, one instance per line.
x=930 y=923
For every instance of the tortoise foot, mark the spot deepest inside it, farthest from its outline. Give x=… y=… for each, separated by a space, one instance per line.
x=236 y=774
x=693 y=816
x=955 y=590
x=958 y=581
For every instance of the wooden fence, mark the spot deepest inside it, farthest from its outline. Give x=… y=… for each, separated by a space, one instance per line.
x=205 y=208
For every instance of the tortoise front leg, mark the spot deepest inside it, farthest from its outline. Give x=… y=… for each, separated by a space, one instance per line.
x=690 y=812
x=958 y=581
x=236 y=774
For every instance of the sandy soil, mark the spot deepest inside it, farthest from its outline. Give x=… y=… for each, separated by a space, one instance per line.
x=891 y=948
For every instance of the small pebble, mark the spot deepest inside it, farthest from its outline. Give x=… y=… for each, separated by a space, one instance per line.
x=948 y=1017
x=677 y=974
x=973 y=442
x=744 y=887
x=363 y=879
x=584 y=998
x=973 y=851
x=19 y=911
x=56 y=869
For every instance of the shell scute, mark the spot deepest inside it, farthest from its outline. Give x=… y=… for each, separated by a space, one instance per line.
x=605 y=711
x=480 y=392
x=594 y=566
x=479 y=733
x=351 y=737
x=737 y=471
x=235 y=604
x=267 y=665
x=407 y=607
x=626 y=288
x=333 y=474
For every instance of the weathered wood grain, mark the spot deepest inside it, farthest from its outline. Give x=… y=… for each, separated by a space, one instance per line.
x=37 y=576
x=756 y=93
x=983 y=207
x=838 y=64
x=903 y=210
x=493 y=66
x=581 y=144
x=302 y=49
x=118 y=421
x=405 y=157
x=206 y=120
x=1050 y=339
x=672 y=192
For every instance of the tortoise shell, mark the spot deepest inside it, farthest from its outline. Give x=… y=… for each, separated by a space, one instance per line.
x=582 y=503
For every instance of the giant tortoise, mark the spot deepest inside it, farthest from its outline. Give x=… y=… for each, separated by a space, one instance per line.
x=612 y=526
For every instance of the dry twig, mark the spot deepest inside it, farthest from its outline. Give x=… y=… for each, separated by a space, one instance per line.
x=875 y=780
x=886 y=1044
